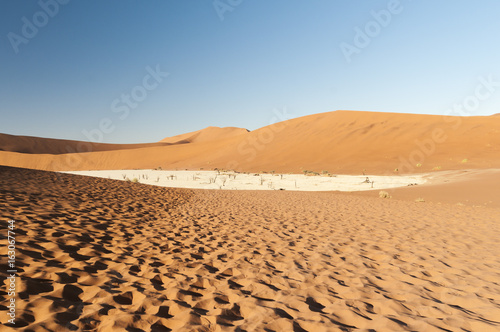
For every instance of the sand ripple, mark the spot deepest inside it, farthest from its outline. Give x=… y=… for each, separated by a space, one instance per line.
x=104 y=255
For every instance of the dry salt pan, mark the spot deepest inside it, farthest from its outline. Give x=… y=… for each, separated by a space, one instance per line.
x=254 y=181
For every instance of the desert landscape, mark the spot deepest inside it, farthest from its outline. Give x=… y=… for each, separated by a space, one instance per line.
x=339 y=142
x=250 y=166
x=281 y=243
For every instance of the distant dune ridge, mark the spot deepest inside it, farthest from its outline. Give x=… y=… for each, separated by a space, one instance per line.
x=39 y=145
x=344 y=142
x=204 y=135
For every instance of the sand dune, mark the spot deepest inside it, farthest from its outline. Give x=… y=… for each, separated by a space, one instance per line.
x=348 y=142
x=104 y=255
x=342 y=142
x=204 y=135
x=39 y=145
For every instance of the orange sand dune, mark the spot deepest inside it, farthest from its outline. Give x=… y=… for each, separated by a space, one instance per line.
x=39 y=145
x=207 y=134
x=344 y=142
x=104 y=255
x=350 y=142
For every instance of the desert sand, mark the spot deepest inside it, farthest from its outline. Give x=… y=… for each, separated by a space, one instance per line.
x=340 y=142
x=106 y=255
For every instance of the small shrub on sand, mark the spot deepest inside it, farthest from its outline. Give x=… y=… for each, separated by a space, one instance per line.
x=465 y=161
x=384 y=194
x=420 y=200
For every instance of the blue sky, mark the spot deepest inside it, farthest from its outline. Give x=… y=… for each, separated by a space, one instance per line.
x=234 y=62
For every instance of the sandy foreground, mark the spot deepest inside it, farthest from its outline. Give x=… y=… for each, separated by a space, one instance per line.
x=255 y=181
x=105 y=255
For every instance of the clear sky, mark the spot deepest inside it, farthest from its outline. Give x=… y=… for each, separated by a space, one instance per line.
x=72 y=66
